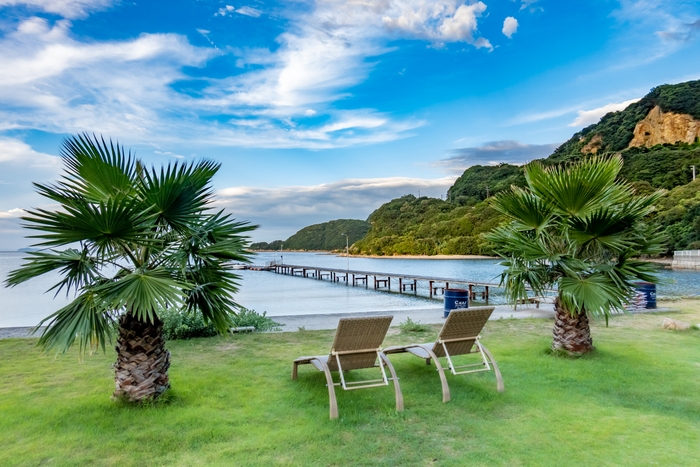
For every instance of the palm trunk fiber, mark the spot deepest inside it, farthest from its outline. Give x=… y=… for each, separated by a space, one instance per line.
x=141 y=370
x=572 y=333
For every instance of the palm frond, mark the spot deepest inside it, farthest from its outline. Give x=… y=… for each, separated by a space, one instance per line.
x=576 y=189
x=86 y=319
x=96 y=169
x=215 y=284
x=528 y=210
x=77 y=267
x=107 y=225
x=594 y=294
x=179 y=193
x=143 y=292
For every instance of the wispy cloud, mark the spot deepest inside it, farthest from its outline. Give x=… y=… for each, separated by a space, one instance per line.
x=673 y=22
x=284 y=210
x=587 y=117
x=545 y=115
x=525 y=4
x=53 y=81
x=70 y=9
x=494 y=153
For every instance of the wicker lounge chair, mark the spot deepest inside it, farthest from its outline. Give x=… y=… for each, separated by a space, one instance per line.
x=356 y=345
x=458 y=336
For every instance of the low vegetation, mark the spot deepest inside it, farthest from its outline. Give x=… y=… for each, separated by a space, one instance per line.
x=632 y=402
x=179 y=324
x=409 y=326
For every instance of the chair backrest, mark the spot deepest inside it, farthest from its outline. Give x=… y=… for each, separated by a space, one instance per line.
x=460 y=324
x=360 y=338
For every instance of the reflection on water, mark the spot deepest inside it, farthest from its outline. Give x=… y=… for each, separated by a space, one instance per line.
x=27 y=304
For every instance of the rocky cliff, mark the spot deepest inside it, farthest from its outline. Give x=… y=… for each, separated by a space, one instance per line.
x=660 y=127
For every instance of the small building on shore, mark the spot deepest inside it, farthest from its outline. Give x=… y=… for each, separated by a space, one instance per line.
x=686 y=259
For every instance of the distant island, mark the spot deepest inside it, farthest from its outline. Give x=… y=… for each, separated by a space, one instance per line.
x=327 y=236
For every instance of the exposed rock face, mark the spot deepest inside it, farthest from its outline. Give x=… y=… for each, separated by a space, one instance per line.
x=593 y=145
x=659 y=128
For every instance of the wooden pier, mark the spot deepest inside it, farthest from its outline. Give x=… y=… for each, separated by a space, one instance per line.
x=406 y=282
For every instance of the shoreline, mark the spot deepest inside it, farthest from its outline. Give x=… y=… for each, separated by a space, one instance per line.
x=342 y=255
x=436 y=257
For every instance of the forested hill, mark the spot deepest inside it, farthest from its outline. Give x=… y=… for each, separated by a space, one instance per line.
x=326 y=236
x=658 y=138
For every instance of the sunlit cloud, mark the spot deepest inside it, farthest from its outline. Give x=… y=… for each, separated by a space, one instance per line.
x=18 y=153
x=53 y=81
x=510 y=27
x=588 y=117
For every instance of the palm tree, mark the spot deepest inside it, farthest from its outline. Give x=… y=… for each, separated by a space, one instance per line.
x=134 y=241
x=576 y=228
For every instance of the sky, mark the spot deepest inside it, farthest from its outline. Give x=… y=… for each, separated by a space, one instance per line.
x=321 y=110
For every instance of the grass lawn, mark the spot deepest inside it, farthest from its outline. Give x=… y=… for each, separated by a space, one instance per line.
x=635 y=401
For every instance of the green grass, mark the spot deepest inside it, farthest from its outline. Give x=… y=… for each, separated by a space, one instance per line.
x=635 y=401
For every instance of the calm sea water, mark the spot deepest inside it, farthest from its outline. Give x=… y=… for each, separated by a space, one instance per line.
x=27 y=304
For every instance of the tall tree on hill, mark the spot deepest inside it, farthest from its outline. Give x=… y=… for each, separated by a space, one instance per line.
x=135 y=241
x=577 y=228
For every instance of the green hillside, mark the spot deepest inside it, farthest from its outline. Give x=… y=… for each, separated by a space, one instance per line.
x=322 y=237
x=327 y=236
x=431 y=226
x=428 y=226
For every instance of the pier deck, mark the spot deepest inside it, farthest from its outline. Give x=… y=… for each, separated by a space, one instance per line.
x=382 y=280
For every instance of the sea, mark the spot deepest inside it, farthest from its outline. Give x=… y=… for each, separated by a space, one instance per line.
x=279 y=295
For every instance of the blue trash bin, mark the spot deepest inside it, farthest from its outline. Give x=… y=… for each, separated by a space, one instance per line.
x=648 y=290
x=455 y=299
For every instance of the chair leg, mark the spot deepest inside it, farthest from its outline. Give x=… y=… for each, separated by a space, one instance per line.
x=441 y=371
x=331 y=389
x=397 y=387
x=443 y=380
x=294 y=370
x=499 y=379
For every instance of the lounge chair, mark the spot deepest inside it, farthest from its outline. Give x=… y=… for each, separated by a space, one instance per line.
x=458 y=336
x=356 y=345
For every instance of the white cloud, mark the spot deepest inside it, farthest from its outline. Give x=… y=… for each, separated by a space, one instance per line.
x=248 y=11
x=587 y=117
x=130 y=89
x=70 y=9
x=13 y=151
x=527 y=3
x=440 y=21
x=226 y=10
x=510 y=26
x=283 y=211
x=546 y=115
x=12 y=213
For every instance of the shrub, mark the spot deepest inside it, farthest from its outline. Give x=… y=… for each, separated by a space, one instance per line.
x=261 y=322
x=413 y=326
x=182 y=325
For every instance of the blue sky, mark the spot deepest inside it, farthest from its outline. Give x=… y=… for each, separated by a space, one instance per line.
x=327 y=109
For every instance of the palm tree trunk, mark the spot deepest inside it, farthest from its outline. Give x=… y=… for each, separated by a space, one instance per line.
x=572 y=333
x=141 y=370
